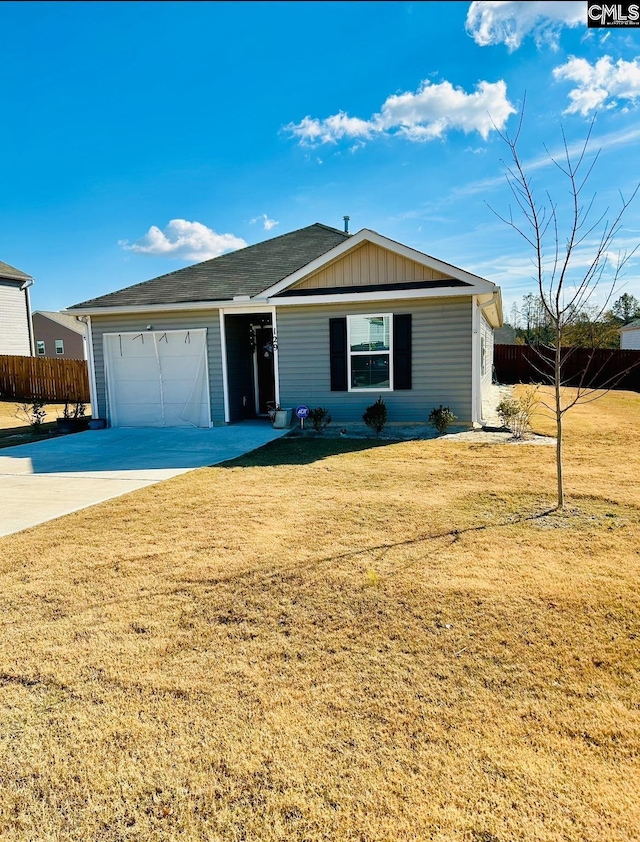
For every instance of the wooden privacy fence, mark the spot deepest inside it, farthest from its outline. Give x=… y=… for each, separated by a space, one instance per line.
x=43 y=378
x=599 y=368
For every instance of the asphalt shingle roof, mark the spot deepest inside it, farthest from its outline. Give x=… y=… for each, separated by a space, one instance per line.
x=12 y=273
x=247 y=271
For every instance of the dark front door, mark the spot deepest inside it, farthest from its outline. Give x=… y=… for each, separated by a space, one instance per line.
x=266 y=390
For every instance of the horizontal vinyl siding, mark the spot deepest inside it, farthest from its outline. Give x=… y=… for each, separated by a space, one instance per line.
x=441 y=359
x=630 y=340
x=486 y=332
x=165 y=321
x=14 y=326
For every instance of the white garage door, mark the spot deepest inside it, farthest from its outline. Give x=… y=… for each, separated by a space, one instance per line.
x=157 y=378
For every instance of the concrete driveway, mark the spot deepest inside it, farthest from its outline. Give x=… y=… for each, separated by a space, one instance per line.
x=47 y=479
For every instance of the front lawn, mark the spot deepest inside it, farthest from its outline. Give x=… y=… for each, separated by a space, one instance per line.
x=334 y=640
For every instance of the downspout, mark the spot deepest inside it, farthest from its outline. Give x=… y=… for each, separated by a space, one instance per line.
x=476 y=347
x=25 y=288
x=93 y=388
x=476 y=405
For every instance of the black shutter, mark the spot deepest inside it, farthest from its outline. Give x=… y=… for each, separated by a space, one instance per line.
x=402 y=351
x=338 y=354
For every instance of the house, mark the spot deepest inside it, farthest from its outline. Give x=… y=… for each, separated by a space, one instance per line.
x=59 y=335
x=505 y=335
x=15 y=312
x=630 y=336
x=315 y=317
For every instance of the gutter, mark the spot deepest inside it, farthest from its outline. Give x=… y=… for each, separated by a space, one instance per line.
x=25 y=288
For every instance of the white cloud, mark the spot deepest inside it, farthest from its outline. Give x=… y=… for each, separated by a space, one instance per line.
x=423 y=115
x=600 y=85
x=267 y=223
x=184 y=239
x=495 y=22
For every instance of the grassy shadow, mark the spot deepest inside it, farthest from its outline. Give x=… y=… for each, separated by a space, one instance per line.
x=13 y=436
x=294 y=450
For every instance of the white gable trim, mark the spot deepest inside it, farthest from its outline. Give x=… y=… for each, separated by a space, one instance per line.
x=365 y=235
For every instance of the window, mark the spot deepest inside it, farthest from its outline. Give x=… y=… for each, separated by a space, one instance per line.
x=59 y=346
x=369 y=344
x=483 y=356
x=40 y=349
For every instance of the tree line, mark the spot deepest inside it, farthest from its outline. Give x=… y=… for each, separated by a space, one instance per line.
x=588 y=327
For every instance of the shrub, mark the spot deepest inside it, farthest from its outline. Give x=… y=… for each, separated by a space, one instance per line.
x=375 y=416
x=442 y=418
x=73 y=409
x=516 y=414
x=507 y=409
x=33 y=412
x=320 y=418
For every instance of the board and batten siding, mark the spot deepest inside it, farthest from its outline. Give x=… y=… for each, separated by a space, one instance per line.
x=441 y=359
x=125 y=323
x=14 y=322
x=369 y=264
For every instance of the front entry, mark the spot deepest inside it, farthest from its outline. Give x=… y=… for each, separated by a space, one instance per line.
x=250 y=364
x=265 y=388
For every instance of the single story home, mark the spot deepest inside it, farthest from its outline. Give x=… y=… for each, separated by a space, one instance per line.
x=16 y=338
x=630 y=336
x=315 y=317
x=59 y=335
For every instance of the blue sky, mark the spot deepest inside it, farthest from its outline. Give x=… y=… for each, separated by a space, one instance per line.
x=136 y=138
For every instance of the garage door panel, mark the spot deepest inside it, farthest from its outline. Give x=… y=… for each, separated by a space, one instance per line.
x=140 y=414
x=157 y=379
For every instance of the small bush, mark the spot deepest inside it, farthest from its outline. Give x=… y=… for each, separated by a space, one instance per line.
x=516 y=414
x=33 y=412
x=508 y=409
x=375 y=416
x=442 y=418
x=320 y=418
x=73 y=409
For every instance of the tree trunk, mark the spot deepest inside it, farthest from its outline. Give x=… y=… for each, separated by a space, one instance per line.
x=557 y=384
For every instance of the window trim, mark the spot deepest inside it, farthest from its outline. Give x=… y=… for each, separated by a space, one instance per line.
x=388 y=353
x=59 y=352
x=40 y=344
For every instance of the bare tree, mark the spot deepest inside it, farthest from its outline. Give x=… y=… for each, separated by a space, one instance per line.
x=566 y=284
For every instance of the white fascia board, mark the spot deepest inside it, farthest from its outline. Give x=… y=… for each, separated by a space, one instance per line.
x=383 y=295
x=366 y=235
x=492 y=308
x=152 y=308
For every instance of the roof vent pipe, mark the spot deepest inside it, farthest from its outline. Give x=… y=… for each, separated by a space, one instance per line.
x=346 y=224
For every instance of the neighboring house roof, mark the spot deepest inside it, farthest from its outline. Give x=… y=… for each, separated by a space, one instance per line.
x=631 y=326
x=13 y=274
x=69 y=322
x=505 y=335
x=247 y=271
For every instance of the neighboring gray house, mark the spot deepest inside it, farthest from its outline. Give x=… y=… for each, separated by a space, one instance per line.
x=59 y=335
x=315 y=317
x=15 y=312
x=630 y=336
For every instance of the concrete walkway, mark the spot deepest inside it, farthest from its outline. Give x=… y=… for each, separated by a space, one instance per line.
x=48 y=479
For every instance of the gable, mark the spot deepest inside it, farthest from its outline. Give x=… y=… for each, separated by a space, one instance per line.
x=368 y=265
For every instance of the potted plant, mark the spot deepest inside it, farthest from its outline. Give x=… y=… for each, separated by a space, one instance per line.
x=73 y=417
x=281 y=417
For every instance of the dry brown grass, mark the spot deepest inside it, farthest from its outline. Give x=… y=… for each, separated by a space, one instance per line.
x=394 y=643
x=15 y=428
